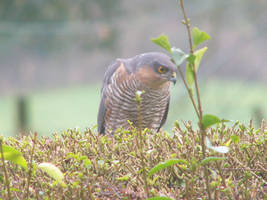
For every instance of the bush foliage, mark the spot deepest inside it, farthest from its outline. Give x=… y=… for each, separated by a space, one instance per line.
x=132 y=165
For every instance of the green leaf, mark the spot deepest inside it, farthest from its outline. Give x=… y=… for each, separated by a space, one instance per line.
x=12 y=189
x=178 y=56
x=199 y=36
x=1 y=178
x=163 y=165
x=219 y=149
x=228 y=143
x=235 y=139
x=87 y=163
x=211 y=159
x=14 y=156
x=53 y=172
x=159 y=198
x=189 y=73
x=199 y=54
x=162 y=41
x=124 y=178
x=209 y=120
x=191 y=58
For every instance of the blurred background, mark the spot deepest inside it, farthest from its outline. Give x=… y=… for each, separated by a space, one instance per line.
x=54 y=54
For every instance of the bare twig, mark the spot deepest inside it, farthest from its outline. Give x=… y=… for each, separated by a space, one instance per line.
x=91 y=197
x=141 y=142
x=189 y=91
x=30 y=166
x=187 y=24
x=248 y=168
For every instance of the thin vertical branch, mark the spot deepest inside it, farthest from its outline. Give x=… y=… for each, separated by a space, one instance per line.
x=199 y=113
x=139 y=121
x=198 y=99
x=188 y=27
x=91 y=197
x=187 y=24
x=141 y=142
x=30 y=166
x=189 y=91
x=5 y=170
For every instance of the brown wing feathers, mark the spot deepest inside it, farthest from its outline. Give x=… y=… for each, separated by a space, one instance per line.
x=114 y=77
x=102 y=108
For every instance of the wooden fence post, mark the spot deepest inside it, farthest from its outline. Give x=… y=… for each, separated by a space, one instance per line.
x=22 y=112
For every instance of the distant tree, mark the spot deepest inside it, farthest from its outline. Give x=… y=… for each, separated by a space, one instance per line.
x=57 y=10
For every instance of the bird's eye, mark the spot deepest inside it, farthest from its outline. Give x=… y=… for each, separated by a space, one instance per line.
x=162 y=70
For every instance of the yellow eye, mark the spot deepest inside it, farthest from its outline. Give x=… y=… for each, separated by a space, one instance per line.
x=162 y=69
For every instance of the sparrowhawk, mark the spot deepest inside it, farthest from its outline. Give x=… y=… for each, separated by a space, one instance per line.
x=149 y=72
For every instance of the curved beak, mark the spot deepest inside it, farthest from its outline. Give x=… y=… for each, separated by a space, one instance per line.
x=173 y=78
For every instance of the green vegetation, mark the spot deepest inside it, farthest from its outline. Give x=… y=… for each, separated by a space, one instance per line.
x=191 y=83
x=113 y=167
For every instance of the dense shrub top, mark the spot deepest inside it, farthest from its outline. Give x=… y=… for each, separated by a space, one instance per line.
x=113 y=167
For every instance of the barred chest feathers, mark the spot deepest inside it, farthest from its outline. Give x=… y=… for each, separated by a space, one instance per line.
x=122 y=106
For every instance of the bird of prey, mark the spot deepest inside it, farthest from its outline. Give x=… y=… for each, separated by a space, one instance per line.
x=149 y=72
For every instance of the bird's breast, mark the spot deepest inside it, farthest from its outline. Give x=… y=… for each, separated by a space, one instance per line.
x=122 y=107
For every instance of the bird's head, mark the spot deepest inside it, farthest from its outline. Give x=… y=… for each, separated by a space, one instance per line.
x=155 y=69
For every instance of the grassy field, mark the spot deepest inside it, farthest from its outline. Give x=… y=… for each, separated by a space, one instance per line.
x=59 y=109
x=228 y=100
